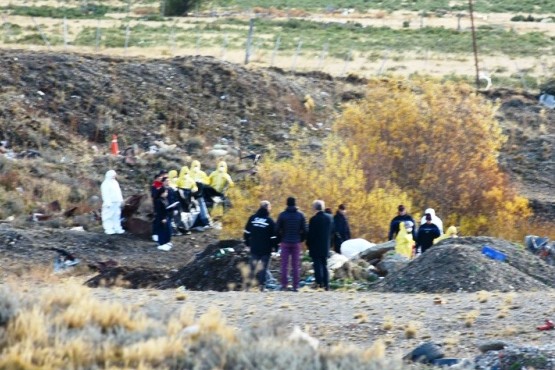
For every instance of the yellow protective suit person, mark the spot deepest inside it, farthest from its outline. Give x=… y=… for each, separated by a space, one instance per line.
x=404 y=242
x=450 y=233
x=172 y=178
x=220 y=179
x=185 y=181
x=197 y=174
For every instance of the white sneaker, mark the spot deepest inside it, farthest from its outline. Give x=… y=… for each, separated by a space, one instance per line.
x=165 y=247
x=155 y=238
x=120 y=231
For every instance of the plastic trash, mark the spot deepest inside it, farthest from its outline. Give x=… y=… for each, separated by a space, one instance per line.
x=549 y=325
x=352 y=247
x=493 y=253
x=446 y=362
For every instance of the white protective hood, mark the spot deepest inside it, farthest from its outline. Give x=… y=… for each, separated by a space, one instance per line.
x=111 y=192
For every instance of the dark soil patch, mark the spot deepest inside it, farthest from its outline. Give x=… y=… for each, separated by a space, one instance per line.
x=458 y=265
x=128 y=278
x=216 y=268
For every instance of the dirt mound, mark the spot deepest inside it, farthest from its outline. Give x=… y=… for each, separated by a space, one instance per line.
x=528 y=153
x=215 y=268
x=136 y=278
x=458 y=265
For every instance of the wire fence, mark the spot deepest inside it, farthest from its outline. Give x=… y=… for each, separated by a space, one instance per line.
x=337 y=45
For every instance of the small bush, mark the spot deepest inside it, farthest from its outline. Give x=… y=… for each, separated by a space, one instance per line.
x=8 y=306
x=179 y=7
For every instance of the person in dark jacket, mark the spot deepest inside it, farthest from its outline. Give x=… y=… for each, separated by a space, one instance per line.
x=154 y=189
x=162 y=219
x=394 y=225
x=426 y=234
x=318 y=240
x=291 y=231
x=260 y=236
x=342 y=230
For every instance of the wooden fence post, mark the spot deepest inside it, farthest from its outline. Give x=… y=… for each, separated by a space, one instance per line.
x=249 y=41
x=274 y=52
x=297 y=52
x=41 y=33
x=127 y=36
x=97 y=37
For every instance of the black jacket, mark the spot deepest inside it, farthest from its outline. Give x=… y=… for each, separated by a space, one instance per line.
x=342 y=230
x=160 y=210
x=260 y=234
x=320 y=230
x=291 y=226
x=394 y=226
x=426 y=235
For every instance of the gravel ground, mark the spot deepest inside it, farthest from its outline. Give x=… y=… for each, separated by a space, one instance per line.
x=358 y=318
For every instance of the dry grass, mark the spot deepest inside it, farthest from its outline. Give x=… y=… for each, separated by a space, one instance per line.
x=387 y=323
x=483 y=296
x=470 y=318
x=411 y=329
x=68 y=328
x=361 y=317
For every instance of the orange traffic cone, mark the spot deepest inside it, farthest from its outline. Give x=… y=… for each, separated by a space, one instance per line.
x=114 y=147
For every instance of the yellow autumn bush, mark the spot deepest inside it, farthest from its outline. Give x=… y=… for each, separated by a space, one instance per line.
x=415 y=142
x=335 y=177
x=439 y=142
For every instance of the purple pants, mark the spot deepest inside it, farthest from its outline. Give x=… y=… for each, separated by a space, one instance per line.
x=293 y=250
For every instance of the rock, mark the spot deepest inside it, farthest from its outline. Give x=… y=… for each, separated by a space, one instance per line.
x=492 y=345
x=392 y=263
x=377 y=250
x=336 y=261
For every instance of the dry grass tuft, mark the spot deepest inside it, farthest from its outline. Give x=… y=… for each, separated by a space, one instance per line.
x=29 y=326
x=152 y=350
x=387 y=323
x=411 y=329
x=376 y=351
x=452 y=341
x=509 y=331
x=503 y=312
x=470 y=318
x=361 y=317
x=184 y=318
x=483 y=296
x=509 y=298
x=180 y=296
x=213 y=322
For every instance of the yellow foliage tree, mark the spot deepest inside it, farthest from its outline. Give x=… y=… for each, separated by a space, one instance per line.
x=335 y=177
x=438 y=142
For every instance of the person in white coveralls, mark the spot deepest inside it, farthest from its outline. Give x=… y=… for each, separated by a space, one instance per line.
x=112 y=201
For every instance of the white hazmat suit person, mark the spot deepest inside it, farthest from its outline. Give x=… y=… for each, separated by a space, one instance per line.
x=435 y=220
x=112 y=201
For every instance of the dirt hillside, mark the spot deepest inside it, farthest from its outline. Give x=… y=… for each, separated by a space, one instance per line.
x=67 y=106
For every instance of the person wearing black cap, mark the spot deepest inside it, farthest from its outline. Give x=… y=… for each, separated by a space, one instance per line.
x=394 y=225
x=260 y=236
x=291 y=230
x=342 y=229
x=426 y=234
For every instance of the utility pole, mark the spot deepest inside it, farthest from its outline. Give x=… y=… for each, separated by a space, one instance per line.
x=474 y=46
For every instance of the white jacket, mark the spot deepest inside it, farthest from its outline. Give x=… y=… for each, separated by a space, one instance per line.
x=111 y=192
x=435 y=220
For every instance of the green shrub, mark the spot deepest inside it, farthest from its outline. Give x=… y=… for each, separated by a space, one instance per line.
x=179 y=7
